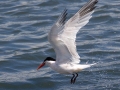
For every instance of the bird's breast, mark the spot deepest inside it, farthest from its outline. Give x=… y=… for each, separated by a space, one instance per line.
x=65 y=68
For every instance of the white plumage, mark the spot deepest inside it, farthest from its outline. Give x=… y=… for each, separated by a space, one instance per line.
x=62 y=37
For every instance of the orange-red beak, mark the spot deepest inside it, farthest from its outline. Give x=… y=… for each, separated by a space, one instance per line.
x=41 y=65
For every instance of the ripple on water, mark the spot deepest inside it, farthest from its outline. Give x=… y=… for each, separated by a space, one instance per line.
x=24 y=28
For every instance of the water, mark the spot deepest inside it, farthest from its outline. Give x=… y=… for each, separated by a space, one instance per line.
x=24 y=25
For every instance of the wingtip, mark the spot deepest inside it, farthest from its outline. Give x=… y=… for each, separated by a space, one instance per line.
x=88 y=7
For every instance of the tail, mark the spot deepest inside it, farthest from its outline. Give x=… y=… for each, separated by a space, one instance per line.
x=93 y=64
x=86 y=65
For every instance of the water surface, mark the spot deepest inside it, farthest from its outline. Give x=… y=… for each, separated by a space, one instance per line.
x=24 y=26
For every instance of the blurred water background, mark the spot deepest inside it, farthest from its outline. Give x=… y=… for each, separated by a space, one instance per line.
x=24 y=26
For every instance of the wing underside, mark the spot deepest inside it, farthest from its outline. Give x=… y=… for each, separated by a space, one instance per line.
x=63 y=35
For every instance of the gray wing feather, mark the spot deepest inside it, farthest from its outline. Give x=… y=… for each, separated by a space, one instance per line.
x=62 y=35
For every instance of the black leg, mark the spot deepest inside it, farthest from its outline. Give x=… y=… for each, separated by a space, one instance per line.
x=75 y=78
x=72 y=79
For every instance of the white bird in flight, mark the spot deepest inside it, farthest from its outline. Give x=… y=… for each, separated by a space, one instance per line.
x=62 y=37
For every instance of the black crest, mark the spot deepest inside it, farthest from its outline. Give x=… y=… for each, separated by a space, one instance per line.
x=49 y=59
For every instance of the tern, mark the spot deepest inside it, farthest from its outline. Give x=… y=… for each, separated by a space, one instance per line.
x=62 y=37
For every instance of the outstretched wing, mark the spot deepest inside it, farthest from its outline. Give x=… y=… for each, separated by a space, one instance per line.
x=63 y=35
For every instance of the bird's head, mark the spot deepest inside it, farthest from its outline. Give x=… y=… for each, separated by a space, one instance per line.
x=44 y=62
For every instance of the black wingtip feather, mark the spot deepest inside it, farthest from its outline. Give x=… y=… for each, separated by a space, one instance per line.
x=63 y=17
x=90 y=6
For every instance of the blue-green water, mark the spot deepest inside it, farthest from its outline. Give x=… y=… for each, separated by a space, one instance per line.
x=24 y=25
